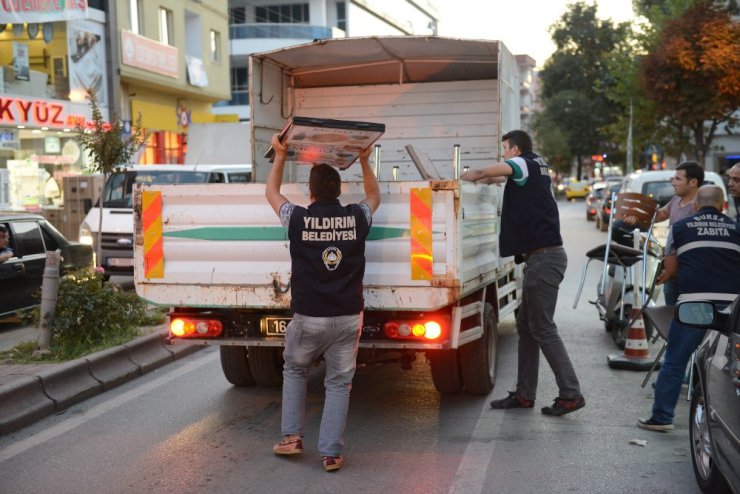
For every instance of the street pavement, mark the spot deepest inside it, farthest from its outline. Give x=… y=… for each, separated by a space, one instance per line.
x=30 y=392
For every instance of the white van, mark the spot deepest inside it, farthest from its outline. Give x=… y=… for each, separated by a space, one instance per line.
x=117 y=254
x=657 y=184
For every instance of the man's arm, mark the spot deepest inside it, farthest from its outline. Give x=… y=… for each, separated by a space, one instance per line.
x=670 y=269
x=275 y=177
x=496 y=173
x=370 y=182
x=5 y=256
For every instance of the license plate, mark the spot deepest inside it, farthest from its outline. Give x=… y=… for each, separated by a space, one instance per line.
x=121 y=262
x=276 y=326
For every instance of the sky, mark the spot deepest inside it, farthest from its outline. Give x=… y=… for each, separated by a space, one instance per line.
x=522 y=25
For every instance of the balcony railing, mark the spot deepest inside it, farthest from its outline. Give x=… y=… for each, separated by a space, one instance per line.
x=266 y=30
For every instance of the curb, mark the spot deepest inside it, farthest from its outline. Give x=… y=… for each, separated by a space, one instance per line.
x=22 y=402
x=29 y=398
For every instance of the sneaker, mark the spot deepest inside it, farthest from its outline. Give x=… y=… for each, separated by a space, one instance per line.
x=652 y=425
x=561 y=406
x=288 y=446
x=512 y=401
x=332 y=463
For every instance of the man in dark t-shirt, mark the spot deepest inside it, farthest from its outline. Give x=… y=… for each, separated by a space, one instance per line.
x=530 y=231
x=327 y=251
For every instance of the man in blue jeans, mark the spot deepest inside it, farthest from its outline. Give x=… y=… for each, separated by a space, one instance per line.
x=705 y=253
x=327 y=250
x=530 y=230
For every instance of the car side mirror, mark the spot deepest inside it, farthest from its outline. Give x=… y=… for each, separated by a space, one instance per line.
x=697 y=314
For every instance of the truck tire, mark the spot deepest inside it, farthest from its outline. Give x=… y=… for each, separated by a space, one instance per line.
x=479 y=359
x=266 y=365
x=235 y=366
x=445 y=371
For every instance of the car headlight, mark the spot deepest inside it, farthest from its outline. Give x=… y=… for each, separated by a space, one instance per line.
x=86 y=236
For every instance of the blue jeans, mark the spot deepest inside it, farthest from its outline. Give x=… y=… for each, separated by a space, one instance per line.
x=543 y=273
x=682 y=342
x=306 y=339
x=670 y=292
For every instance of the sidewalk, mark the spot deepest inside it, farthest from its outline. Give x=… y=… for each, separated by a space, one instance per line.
x=31 y=392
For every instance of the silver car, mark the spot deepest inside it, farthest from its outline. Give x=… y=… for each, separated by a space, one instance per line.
x=715 y=401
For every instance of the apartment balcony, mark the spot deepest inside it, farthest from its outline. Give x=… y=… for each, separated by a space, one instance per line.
x=263 y=30
x=258 y=37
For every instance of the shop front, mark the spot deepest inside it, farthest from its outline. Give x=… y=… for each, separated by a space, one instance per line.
x=51 y=53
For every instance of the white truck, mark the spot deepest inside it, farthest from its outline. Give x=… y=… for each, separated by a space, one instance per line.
x=434 y=281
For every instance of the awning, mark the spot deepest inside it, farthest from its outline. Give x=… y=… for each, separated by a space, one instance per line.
x=386 y=60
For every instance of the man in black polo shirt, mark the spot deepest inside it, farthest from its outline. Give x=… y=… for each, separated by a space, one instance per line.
x=327 y=251
x=704 y=250
x=530 y=230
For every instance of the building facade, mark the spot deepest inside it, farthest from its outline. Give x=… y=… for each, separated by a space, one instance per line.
x=272 y=24
x=50 y=52
x=166 y=61
x=169 y=65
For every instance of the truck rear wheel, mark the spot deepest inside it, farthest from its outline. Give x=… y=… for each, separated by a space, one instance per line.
x=235 y=366
x=478 y=360
x=266 y=365
x=445 y=371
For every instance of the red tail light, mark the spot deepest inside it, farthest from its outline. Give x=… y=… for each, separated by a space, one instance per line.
x=186 y=327
x=414 y=330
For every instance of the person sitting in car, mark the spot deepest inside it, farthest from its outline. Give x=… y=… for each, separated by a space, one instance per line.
x=6 y=252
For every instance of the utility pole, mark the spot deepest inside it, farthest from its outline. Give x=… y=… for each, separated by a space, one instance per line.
x=629 y=167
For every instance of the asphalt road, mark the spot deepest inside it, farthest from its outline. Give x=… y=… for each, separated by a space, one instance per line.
x=184 y=429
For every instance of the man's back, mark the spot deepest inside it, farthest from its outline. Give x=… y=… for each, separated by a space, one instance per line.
x=708 y=249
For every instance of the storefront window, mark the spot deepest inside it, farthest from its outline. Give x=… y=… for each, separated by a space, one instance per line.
x=163 y=148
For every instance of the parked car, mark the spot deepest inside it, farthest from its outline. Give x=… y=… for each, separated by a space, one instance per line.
x=596 y=195
x=714 y=428
x=576 y=189
x=592 y=199
x=604 y=207
x=30 y=237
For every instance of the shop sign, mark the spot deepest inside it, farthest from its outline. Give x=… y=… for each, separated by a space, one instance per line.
x=32 y=11
x=9 y=139
x=197 y=75
x=86 y=60
x=144 y=53
x=37 y=113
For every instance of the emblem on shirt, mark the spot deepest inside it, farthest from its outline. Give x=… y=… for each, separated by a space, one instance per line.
x=331 y=257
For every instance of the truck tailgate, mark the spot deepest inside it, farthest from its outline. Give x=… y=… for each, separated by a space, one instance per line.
x=222 y=245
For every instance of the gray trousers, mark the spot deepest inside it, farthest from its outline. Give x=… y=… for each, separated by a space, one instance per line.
x=543 y=273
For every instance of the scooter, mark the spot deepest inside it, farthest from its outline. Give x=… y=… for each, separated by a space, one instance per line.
x=618 y=289
x=616 y=295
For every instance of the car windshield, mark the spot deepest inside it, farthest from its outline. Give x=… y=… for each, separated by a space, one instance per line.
x=118 y=189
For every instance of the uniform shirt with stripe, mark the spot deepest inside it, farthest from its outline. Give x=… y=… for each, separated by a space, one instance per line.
x=708 y=248
x=529 y=218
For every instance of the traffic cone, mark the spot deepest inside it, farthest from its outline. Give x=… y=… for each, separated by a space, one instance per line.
x=636 y=351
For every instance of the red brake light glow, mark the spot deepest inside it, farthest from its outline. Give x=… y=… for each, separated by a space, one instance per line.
x=185 y=327
x=413 y=330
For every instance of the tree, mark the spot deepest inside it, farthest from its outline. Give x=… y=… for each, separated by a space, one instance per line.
x=575 y=80
x=107 y=147
x=693 y=74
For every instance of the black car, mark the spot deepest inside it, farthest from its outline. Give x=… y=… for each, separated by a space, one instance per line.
x=715 y=401
x=604 y=208
x=30 y=237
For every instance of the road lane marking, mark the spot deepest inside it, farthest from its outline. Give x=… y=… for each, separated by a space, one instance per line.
x=105 y=407
x=475 y=461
